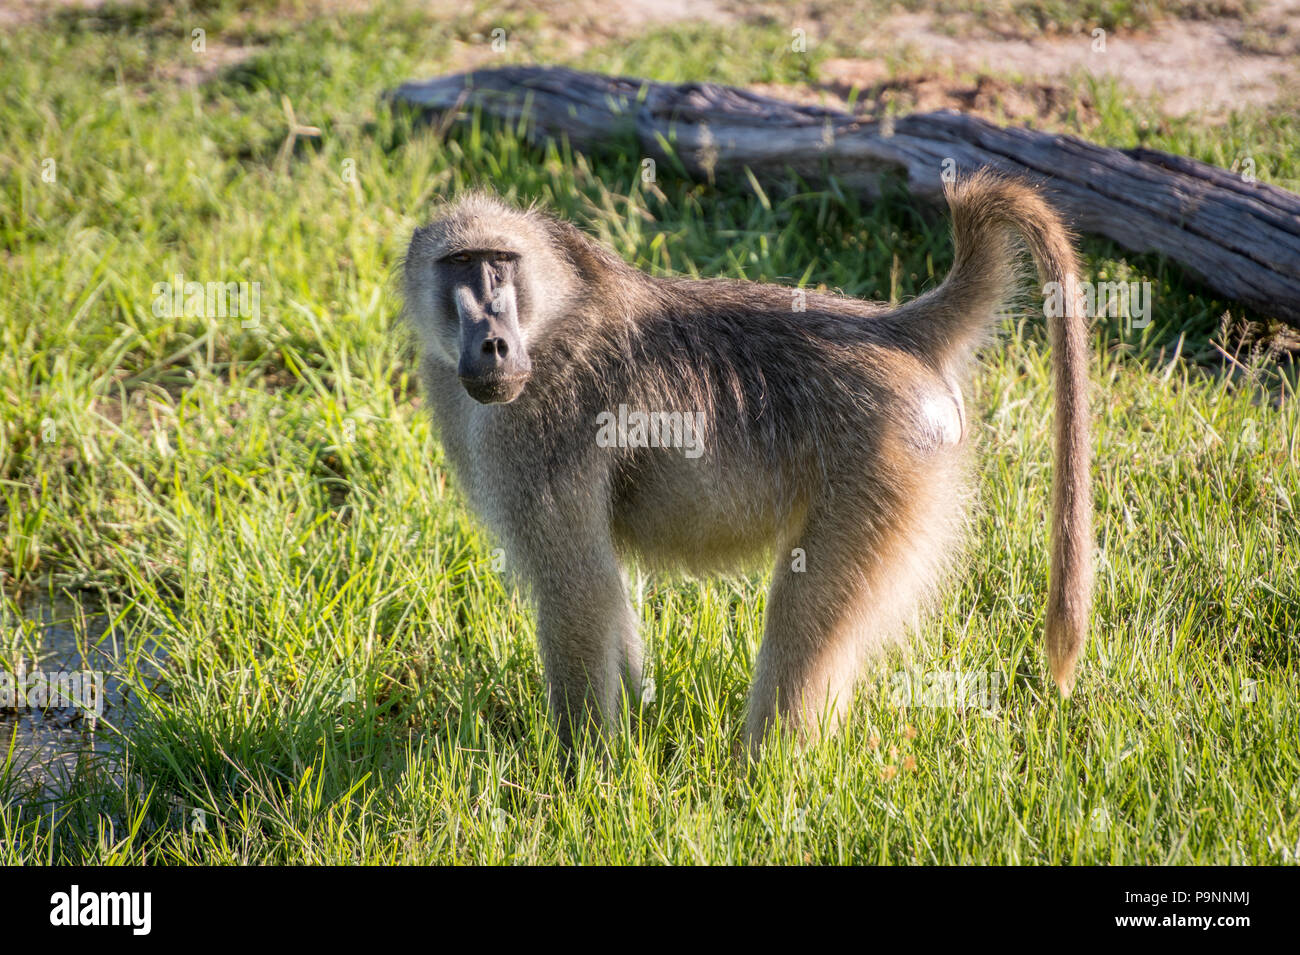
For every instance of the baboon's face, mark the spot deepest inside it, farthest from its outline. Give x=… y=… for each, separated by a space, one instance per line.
x=484 y=282
x=480 y=295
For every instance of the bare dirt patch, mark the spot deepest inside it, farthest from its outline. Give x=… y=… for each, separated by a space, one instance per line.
x=1206 y=65
x=1184 y=66
x=869 y=88
x=14 y=12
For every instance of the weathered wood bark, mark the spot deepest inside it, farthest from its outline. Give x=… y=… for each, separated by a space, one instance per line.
x=1242 y=239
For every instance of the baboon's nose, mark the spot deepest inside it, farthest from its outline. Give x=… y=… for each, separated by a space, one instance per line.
x=495 y=371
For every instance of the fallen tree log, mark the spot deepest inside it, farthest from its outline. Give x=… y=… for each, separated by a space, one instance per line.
x=1241 y=238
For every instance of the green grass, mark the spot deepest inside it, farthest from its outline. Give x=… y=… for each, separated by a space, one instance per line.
x=265 y=511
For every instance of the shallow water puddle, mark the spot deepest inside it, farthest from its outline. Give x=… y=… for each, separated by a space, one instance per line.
x=64 y=697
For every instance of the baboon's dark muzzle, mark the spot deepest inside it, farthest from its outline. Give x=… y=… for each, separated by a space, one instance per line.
x=493 y=371
x=494 y=389
x=494 y=365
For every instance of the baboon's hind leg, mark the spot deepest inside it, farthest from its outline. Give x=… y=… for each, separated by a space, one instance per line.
x=870 y=563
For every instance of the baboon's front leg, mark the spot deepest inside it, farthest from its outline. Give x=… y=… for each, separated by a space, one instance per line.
x=587 y=632
x=632 y=658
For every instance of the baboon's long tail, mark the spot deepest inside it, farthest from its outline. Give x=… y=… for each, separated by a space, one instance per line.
x=987 y=212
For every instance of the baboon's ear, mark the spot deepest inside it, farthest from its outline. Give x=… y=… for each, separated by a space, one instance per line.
x=420 y=237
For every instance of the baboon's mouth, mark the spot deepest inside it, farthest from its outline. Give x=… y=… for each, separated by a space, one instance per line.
x=494 y=389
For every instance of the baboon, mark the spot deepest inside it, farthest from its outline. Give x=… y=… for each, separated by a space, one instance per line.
x=833 y=432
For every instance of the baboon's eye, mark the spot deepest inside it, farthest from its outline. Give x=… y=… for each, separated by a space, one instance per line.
x=461 y=257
